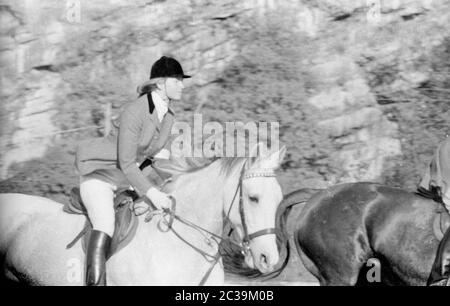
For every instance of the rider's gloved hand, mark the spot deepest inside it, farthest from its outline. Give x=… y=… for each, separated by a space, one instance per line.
x=159 y=199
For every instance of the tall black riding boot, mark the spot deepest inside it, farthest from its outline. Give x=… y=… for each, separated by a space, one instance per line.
x=98 y=248
x=441 y=266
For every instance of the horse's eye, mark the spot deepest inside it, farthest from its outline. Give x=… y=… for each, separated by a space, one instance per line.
x=253 y=199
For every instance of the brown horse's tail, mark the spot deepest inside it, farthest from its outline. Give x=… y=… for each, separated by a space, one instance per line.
x=232 y=256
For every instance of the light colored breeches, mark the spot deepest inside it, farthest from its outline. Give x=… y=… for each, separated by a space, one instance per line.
x=98 y=198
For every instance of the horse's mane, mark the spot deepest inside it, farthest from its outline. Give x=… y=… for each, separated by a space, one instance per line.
x=183 y=165
x=176 y=166
x=228 y=164
x=433 y=193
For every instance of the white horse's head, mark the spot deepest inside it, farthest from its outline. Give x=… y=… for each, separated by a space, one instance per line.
x=253 y=214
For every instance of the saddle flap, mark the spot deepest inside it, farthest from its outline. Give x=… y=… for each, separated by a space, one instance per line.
x=125 y=220
x=75 y=204
x=125 y=228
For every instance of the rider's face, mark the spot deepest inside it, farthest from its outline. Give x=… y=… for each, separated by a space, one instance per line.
x=174 y=88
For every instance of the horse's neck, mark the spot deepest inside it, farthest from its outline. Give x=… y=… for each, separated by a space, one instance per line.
x=200 y=197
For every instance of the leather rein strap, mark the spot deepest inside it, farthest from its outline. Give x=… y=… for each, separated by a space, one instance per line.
x=247 y=237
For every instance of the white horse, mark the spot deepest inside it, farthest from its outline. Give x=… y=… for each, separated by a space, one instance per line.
x=34 y=231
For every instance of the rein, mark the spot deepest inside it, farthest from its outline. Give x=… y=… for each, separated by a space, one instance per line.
x=214 y=259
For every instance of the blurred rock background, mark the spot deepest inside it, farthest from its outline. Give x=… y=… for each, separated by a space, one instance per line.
x=360 y=88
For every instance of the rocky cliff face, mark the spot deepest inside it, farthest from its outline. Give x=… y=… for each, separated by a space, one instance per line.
x=55 y=54
x=62 y=61
x=389 y=39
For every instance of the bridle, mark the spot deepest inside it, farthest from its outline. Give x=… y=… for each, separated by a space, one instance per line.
x=267 y=231
x=245 y=247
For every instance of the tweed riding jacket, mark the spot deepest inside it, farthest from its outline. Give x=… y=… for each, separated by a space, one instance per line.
x=117 y=156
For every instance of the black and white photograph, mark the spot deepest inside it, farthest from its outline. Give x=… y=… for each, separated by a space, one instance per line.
x=240 y=144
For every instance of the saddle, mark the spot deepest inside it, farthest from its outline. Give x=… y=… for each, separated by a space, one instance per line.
x=126 y=221
x=159 y=172
x=441 y=221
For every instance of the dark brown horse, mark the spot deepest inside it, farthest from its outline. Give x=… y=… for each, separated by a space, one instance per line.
x=341 y=228
x=342 y=231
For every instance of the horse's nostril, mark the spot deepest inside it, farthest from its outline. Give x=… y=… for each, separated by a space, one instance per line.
x=264 y=260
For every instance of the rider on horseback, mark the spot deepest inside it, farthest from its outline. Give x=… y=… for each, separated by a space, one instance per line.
x=437 y=180
x=107 y=164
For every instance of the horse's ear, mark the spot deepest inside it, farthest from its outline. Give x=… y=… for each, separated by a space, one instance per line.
x=281 y=154
x=265 y=158
x=255 y=153
x=256 y=150
x=274 y=159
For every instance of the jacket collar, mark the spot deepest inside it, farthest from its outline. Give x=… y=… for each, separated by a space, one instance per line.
x=151 y=105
